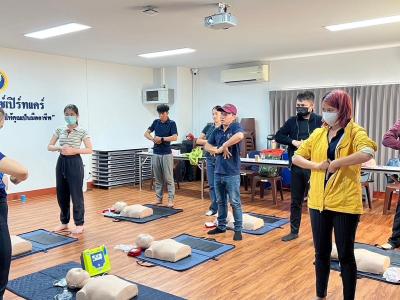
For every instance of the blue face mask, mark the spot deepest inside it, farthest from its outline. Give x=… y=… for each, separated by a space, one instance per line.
x=71 y=120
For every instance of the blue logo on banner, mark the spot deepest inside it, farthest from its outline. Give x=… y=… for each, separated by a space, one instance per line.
x=3 y=81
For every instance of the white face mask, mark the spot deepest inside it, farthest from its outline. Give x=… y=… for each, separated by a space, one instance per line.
x=330 y=117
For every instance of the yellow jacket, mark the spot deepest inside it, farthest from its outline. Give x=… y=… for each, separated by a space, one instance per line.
x=342 y=192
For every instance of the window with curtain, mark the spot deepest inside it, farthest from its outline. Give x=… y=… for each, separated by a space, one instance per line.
x=375 y=107
x=378 y=108
x=283 y=103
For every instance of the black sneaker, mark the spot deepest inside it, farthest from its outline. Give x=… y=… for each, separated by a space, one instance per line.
x=216 y=230
x=289 y=237
x=237 y=236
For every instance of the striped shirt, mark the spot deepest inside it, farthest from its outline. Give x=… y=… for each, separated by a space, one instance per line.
x=72 y=138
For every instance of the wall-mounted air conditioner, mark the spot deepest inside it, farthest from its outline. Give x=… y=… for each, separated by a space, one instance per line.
x=158 y=96
x=258 y=73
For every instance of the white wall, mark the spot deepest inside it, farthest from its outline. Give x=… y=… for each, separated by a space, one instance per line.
x=183 y=108
x=251 y=100
x=364 y=67
x=109 y=98
x=179 y=79
x=117 y=116
x=355 y=68
x=107 y=95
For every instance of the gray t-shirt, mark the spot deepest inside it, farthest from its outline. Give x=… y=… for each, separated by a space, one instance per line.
x=72 y=138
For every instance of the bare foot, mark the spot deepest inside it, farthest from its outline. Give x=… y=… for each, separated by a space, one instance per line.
x=170 y=204
x=158 y=202
x=61 y=227
x=78 y=230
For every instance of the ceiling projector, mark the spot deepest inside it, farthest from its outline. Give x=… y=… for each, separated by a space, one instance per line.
x=221 y=20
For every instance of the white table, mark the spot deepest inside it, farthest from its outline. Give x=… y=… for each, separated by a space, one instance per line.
x=285 y=164
x=143 y=156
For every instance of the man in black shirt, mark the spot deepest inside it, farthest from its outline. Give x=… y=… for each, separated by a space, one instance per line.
x=295 y=130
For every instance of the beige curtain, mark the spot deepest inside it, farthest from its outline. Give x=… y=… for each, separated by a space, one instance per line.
x=375 y=107
x=283 y=103
x=378 y=110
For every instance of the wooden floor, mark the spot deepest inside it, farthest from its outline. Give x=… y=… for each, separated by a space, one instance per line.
x=261 y=267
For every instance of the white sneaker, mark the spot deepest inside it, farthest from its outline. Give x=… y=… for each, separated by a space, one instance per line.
x=210 y=213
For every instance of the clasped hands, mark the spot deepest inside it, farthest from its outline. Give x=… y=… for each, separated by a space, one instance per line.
x=157 y=140
x=67 y=150
x=224 y=150
x=330 y=166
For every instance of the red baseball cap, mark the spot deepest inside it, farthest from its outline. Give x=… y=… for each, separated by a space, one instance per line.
x=229 y=108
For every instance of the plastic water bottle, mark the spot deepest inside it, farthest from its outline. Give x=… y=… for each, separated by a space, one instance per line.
x=23 y=198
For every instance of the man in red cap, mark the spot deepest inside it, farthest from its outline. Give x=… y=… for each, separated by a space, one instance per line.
x=224 y=144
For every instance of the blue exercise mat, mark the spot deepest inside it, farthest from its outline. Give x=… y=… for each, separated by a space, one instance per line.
x=270 y=223
x=202 y=251
x=39 y=285
x=394 y=261
x=158 y=213
x=43 y=240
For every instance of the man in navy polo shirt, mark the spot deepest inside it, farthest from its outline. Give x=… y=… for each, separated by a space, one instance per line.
x=165 y=132
x=224 y=144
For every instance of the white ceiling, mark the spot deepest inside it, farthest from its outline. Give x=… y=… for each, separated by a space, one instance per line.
x=267 y=29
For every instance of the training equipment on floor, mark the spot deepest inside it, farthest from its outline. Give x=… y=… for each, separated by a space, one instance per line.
x=40 y=285
x=118 y=206
x=76 y=278
x=136 y=211
x=202 y=251
x=144 y=241
x=19 y=245
x=270 y=223
x=43 y=240
x=158 y=213
x=96 y=261
x=378 y=263
x=168 y=250
x=107 y=287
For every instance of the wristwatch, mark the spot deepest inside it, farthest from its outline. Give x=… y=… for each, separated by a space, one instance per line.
x=162 y=140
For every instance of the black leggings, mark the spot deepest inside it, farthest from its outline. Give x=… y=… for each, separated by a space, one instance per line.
x=345 y=226
x=69 y=175
x=5 y=247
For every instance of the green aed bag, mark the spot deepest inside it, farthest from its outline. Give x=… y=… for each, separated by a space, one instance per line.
x=96 y=261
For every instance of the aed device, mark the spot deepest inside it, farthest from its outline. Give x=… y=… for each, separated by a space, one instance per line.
x=96 y=261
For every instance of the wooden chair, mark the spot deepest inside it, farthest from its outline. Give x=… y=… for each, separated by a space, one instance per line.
x=391 y=188
x=249 y=172
x=274 y=181
x=366 y=180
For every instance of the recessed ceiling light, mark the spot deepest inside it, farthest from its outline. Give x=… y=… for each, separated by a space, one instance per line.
x=150 y=10
x=56 y=31
x=365 y=23
x=167 y=53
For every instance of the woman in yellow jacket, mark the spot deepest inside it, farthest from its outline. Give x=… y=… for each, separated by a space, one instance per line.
x=334 y=154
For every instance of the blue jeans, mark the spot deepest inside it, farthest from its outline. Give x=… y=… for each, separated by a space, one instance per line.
x=211 y=183
x=228 y=186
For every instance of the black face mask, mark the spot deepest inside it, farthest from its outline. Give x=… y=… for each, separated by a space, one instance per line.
x=302 y=111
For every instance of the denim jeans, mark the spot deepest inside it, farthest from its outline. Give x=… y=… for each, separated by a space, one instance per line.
x=211 y=183
x=228 y=186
